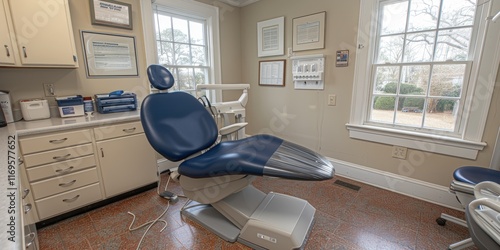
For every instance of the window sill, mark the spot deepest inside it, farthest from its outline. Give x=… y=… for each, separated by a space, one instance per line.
x=424 y=142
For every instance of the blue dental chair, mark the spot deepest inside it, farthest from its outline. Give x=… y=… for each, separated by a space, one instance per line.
x=464 y=180
x=218 y=177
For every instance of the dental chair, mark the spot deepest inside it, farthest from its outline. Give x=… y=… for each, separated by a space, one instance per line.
x=218 y=177
x=464 y=180
x=483 y=216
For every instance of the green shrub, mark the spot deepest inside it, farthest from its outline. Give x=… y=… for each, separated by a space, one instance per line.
x=384 y=103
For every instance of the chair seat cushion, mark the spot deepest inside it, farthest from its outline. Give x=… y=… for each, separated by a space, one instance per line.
x=474 y=175
x=245 y=156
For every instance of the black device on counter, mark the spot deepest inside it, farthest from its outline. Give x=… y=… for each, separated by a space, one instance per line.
x=3 y=122
x=114 y=102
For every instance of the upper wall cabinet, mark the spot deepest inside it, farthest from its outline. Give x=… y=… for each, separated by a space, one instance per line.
x=6 y=50
x=43 y=33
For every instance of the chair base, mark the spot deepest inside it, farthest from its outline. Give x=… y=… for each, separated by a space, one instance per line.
x=279 y=221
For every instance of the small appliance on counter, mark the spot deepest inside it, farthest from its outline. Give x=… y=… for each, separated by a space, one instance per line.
x=116 y=101
x=6 y=106
x=34 y=109
x=70 y=106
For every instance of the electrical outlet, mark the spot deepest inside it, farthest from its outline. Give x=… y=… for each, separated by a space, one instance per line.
x=332 y=100
x=49 y=89
x=399 y=152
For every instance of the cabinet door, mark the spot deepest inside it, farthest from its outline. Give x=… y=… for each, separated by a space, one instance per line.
x=43 y=31
x=126 y=163
x=6 y=50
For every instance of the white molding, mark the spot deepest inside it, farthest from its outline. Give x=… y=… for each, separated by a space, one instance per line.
x=425 y=142
x=239 y=3
x=421 y=190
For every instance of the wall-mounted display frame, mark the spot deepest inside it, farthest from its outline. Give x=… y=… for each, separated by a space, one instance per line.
x=108 y=55
x=270 y=37
x=309 y=32
x=342 y=59
x=272 y=73
x=111 y=13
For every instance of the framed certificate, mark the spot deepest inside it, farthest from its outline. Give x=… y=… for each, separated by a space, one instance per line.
x=309 y=32
x=108 y=55
x=270 y=37
x=111 y=13
x=272 y=73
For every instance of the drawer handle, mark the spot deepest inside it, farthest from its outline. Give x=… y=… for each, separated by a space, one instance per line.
x=27 y=208
x=26 y=191
x=72 y=199
x=63 y=171
x=24 y=51
x=58 y=141
x=61 y=157
x=67 y=184
x=20 y=161
x=128 y=130
x=7 y=50
x=30 y=236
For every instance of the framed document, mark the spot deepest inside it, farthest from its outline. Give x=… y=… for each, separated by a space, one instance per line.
x=272 y=73
x=270 y=37
x=111 y=13
x=309 y=32
x=108 y=55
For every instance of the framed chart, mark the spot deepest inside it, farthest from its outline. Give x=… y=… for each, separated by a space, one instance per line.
x=272 y=73
x=111 y=13
x=270 y=37
x=309 y=32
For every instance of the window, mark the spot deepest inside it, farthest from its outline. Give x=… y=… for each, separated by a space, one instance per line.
x=419 y=66
x=183 y=37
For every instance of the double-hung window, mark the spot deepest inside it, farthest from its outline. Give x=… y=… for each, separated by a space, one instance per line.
x=417 y=72
x=185 y=41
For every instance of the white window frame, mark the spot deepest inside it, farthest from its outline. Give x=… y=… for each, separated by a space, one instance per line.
x=478 y=97
x=187 y=8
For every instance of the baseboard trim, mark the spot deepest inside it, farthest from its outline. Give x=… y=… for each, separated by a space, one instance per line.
x=397 y=183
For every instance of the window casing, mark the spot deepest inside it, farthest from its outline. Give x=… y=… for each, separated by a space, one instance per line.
x=423 y=100
x=184 y=37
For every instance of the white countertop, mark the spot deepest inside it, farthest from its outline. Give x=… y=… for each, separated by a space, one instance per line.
x=9 y=182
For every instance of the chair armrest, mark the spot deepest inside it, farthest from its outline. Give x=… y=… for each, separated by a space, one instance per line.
x=486 y=217
x=487 y=189
x=232 y=128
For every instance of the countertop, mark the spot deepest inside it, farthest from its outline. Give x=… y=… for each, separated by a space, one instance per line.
x=10 y=199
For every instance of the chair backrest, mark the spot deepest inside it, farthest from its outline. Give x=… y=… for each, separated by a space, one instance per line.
x=176 y=124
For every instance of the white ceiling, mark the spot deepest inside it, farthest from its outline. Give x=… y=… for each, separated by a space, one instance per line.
x=239 y=3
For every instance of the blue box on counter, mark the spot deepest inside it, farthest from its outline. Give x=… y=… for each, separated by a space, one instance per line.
x=115 y=103
x=70 y=105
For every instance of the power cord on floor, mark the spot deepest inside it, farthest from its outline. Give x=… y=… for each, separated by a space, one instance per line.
x=171 y=197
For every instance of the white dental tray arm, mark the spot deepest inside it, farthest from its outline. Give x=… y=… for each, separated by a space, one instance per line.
x=232 y=106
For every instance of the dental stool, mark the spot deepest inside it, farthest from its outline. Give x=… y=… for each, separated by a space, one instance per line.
x=464 y=180
x=218 y=177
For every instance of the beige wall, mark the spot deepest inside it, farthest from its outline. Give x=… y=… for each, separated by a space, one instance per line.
x=27 y=83
x=302 y=116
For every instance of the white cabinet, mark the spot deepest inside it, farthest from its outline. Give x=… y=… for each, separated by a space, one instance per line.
x=126 y=159
x=43 y=33
x=6 y=49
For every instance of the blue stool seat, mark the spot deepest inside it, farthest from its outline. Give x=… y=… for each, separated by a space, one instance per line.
x=475 y=175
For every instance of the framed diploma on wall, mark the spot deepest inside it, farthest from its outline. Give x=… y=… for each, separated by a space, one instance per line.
x=272 y=73
x=111 y=13
x=270 y=37
x=309 y=32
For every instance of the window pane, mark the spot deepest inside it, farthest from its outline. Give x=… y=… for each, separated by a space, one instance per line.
x=165 y=27
x=185 y=79
x=441 y=114
x=199 y=55
x=447 y=80
x=414 y=79
x=419 y=47
x=201 y=76
x=423 y=15
x=386 y=79
x=181 y=30
x=411 y=114
x=165 y=53
x=453 y=44
x=182 y=55
x=383 y=109
x=393 y=17
x=197 y=33
x=457 y=13
x=390 y=49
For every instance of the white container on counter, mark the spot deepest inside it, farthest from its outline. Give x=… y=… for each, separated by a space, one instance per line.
x=35 y=109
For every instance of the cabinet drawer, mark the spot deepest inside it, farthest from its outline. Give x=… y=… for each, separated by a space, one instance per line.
x=60 y=168
x=68 y=201
x=58 y=155
x=118 y=130
x=64 y=183
x=53 y=141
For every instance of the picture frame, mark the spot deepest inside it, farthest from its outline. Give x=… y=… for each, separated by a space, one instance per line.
x=342 y=58
x=272 y=73
x=270 y=37
x=111 y=13
x=109 y=55
x=308 y=32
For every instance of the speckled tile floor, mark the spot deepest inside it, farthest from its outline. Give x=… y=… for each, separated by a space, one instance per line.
x=370 y=218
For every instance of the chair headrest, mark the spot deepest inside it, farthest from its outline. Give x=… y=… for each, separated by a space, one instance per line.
x=160 y=77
